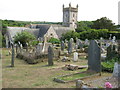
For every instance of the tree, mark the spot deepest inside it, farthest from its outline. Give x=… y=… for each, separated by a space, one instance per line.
x=24 y=37
x=84 y=26
x=93 y=34
x=70 y=34
x=104 y=23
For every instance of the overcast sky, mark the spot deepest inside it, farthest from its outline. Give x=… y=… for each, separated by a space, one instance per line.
x=51 y=10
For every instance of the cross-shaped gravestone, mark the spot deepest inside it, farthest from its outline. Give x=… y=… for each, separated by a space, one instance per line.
x=94 y=55
x=50 y=56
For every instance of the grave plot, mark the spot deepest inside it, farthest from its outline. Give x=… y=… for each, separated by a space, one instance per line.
x=74 y=77
x=94 y=65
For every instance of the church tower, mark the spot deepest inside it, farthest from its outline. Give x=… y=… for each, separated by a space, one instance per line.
x=70 y=15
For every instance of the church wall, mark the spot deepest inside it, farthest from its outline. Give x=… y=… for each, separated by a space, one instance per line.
x=51 y=33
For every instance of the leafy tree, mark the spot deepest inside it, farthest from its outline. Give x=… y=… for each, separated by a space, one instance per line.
x=24 y=37
x=84 y=26
x=70 y=34
x=94 y=34
x=104 y=23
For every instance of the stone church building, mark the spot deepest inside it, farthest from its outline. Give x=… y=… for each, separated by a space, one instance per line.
x=70 y=15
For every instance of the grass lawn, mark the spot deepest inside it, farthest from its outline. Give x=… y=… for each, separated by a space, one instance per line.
x=74 y=77
x=39 y=75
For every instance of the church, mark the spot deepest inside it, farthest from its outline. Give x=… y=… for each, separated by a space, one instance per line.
x=47 y=31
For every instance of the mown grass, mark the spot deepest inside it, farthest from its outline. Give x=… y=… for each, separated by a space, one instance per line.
x=39 y=75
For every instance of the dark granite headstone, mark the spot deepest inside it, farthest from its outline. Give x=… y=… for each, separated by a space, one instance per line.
x=13 y=55
x=94 y=62
x=50 y=56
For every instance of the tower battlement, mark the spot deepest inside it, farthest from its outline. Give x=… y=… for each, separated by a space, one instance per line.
x=70 y=15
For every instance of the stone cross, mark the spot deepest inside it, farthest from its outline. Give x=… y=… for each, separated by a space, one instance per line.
x=50 y=56
x=94 y=56
x=13 y=55
x=62 y=45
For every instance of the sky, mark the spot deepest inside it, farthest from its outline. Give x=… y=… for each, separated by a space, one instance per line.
x=51 y=10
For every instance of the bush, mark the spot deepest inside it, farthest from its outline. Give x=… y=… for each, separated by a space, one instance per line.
x=93 y=34
x=24 y=37
x=109 y=65
x=54 y=41
x=70 y=34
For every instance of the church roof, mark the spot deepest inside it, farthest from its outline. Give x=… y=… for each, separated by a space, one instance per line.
x=62 y=30
x=12 y=31
x=43 y=29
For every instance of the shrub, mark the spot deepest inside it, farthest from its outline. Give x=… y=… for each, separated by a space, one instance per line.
x=93 y=34
x=109 y=65
x=54 y=41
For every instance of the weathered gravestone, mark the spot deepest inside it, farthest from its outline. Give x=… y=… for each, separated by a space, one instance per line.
x=94 y=62
x=62 y=45
x=70 y=46
x=16 y=46
x=13 y=55
x=26 y=47
x=50 y=56
x=79 y=43
x=111 y=52
x=86 y=42
x=116 y=70
x=75 y=58
x=39 y=48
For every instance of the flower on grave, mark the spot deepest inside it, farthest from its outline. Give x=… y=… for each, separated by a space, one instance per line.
x=108 y=85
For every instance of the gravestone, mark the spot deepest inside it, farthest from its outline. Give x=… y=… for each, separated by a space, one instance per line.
x=79 y=43
x=75 y=56
x=116 y=70
x=86 y=42
x=21 y=48
x=39 y=48
x=26 y=47
x=16 y=46
x=94 y=62
x=70 y=46
x=111 y=51
x=50 y=56
x=79 y=84
x=13 y=55
x=62 y=45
